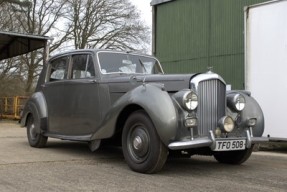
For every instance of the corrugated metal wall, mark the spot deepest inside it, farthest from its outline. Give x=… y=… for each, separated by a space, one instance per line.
x=191 y=35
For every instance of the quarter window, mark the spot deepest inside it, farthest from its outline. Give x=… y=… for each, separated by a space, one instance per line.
x=83 y=66
x=59 y=69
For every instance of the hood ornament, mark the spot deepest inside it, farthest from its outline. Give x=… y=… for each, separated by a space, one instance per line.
x=209 y=69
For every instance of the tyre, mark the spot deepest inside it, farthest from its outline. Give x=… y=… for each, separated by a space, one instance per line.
x=142 y=148
x=35 y=138
x=233 y=157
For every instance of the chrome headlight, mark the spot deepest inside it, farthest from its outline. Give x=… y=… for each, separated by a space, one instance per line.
x=226 y=124
x=190 y=100
x=237 y=101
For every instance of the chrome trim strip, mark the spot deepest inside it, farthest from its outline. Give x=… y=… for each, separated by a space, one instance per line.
x=68 y=137
x=195 y=143
x=256 y=140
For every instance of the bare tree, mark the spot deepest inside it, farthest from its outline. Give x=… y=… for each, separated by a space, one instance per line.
x=38 y=18
x=9 y=68
x=110 y=24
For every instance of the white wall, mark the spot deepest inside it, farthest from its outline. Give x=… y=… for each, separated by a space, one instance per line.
x=266 y=63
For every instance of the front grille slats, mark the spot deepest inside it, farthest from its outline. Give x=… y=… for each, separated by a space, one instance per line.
x=212 y=104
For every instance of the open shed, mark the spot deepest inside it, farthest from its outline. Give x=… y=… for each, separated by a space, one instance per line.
x=13 y=44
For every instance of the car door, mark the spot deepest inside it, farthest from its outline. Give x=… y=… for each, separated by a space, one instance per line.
x=72 y=98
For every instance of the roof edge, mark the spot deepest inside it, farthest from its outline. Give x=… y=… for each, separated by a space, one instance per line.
x=13 y=44
x=157 y=2
x=25 y=35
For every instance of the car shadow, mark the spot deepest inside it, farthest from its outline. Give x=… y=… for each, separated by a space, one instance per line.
x=82 y=147
x=195 y=165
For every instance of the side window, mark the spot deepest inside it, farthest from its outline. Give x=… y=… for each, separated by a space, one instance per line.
x=83 y=66
x=59 y=69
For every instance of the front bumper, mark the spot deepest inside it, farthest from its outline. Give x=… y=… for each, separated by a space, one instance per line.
x=210 y=142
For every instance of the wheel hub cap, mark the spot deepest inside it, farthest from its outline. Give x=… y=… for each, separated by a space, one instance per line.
x=33 y=133
x=137 y=143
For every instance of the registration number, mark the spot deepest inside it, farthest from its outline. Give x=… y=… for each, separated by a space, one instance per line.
x=230 y=145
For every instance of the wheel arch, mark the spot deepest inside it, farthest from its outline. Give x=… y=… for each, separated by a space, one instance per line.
x=37 y=107
x=124 y=115
x=149 y=98
x=160 y=108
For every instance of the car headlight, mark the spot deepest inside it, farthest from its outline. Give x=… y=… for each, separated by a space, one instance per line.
x=226 y=124
x=190 y=100
x=237 y=101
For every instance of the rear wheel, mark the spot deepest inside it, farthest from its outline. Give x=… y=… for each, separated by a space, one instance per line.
x=233 y=157
x=35 y=138
x=142 y=148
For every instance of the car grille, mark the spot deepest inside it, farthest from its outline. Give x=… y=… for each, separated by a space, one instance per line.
x=212 y=104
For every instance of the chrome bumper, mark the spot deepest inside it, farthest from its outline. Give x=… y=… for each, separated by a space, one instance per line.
x=210 y=141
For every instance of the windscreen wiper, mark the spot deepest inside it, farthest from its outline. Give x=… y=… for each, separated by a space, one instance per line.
x=142 y=65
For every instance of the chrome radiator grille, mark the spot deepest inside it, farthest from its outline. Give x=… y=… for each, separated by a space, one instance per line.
x=212 y=104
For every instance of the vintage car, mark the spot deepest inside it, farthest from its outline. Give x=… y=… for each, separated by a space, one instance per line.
x=101 y=95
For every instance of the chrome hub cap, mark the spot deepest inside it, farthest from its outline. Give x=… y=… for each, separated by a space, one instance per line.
x=33 y=132
x=138 y=143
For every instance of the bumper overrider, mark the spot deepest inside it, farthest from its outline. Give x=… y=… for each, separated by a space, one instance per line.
x=211 y=141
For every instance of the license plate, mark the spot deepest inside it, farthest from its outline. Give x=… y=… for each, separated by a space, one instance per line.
x=230 y=145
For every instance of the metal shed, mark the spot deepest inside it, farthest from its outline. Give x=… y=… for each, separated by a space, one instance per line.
x=192 y=35
x=13 y=44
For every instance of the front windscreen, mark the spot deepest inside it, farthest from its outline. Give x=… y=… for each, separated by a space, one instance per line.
x=128 y=63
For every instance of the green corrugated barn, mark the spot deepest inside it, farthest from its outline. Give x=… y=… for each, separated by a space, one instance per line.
x=191 y=35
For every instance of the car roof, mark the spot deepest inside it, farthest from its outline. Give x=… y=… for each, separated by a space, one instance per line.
x=95 y=51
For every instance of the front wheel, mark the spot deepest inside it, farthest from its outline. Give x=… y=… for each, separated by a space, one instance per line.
x=233 y=157
x=142 y=148
x=35 y=138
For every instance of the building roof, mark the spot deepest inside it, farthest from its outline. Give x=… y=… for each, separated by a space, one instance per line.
x=156 y=2
x=13 y=44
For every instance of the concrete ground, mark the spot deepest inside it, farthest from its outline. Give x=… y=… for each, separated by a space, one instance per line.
x=70 y=166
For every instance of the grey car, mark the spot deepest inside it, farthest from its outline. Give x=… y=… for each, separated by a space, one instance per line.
x=103 y=96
